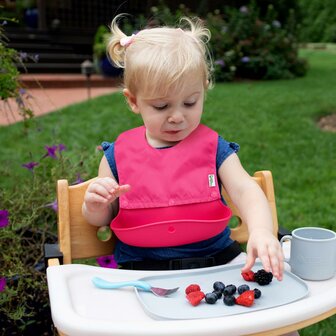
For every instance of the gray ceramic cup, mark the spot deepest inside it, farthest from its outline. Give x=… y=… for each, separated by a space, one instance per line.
x=312 y=253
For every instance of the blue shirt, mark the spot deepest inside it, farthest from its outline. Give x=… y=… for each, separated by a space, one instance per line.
x=124 y=253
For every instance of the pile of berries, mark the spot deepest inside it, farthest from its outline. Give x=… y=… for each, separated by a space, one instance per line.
x=261 y=277
x=231 y=295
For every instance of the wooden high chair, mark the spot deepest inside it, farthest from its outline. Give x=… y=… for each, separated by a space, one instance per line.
x=78 y=240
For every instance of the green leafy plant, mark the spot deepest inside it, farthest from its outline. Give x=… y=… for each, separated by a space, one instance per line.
x=10 y=86
x=318 y=21
x=246 y=46
x=100 y=41
x=27 y=222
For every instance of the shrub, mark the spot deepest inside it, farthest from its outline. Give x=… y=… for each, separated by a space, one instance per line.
x=246 y=46
x=318 y=21
x=10 y=86
x=27 y=222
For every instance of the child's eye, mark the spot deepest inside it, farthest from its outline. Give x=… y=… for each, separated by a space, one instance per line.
x=160 y=107
x=189 y=104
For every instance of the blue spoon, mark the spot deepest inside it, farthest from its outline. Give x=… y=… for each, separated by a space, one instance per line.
x=145 y=286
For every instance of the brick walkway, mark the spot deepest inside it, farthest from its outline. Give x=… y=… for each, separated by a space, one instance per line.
x=51 y=92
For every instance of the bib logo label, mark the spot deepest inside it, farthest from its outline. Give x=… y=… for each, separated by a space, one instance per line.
x=212 y=181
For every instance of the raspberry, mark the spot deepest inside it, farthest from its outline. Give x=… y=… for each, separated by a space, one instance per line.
x=263 y=278
x=195 y=298
x=246 y=299
x=192 y=288
x=248 y=276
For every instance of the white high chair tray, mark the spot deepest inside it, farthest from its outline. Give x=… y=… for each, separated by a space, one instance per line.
x=290 y=289
x=78 y=308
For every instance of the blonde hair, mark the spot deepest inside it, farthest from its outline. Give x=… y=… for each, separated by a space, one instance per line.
x=156 y=59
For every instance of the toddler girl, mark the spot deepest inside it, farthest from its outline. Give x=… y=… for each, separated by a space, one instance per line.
x=160 y=183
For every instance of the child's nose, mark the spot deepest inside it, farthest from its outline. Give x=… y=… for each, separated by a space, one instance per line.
x=176 y=117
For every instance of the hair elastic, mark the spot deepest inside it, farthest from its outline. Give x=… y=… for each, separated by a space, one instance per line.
x=126 y=41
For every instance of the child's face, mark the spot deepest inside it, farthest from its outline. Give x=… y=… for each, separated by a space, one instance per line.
x=170 y=119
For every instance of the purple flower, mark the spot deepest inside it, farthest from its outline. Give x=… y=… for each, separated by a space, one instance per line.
x=23 y=56
x=36 y=58
x=3 y=23
x=61 y=147
x=79 y=179
x=53 y=205
x=245 y=59
x=107 y=261
x=2 y=284
x=51 y=151
x=220 y=62
x=4 y=220
x=30 y=165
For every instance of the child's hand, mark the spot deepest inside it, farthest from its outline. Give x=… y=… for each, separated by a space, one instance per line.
x=263 y=244
x=102 y=192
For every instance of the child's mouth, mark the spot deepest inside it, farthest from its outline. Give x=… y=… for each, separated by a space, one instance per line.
x=173 y=132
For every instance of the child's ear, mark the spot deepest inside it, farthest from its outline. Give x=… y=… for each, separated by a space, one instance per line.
x=131 y=100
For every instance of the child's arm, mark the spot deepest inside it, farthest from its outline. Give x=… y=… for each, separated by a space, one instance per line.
x=100 y=201
x=254 y=209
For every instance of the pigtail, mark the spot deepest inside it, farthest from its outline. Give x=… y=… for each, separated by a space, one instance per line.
x=115 y=51
x=196 y=29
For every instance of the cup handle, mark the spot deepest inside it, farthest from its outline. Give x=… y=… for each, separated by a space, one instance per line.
x=284 y=238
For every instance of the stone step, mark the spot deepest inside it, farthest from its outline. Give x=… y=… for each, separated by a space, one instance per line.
x=43 y=80
x=50 y=52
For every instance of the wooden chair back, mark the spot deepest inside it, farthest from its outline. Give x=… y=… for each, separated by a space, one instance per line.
x=78 y=240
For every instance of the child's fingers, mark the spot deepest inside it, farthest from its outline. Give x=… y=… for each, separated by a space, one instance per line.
x=272 y=262
x=277 y=265
x=107 y=182
x=95 y=198
x=250 y=260
x=117 y=191
x=124 y=189
x=99 y=189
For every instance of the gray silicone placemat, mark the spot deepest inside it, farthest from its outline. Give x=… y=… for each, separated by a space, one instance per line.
x=277 y=293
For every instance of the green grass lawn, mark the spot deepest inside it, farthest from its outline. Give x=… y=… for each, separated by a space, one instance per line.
x=274 y=122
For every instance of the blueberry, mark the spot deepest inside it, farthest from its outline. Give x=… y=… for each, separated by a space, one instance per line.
x=257 y=293
x=243 y=288
x=218 y=293
x=211 y=298
x=229 y=300
x=229 y=290
x=218 y=286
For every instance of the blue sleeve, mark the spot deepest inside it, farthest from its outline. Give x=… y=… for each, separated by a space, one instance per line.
x=224 y=150
x=108 y=148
